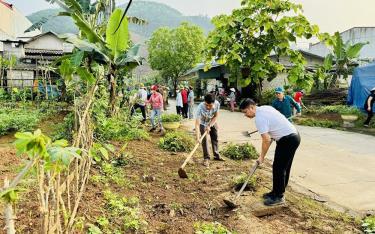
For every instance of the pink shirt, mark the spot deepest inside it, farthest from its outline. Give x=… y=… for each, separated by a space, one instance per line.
x=156 y=101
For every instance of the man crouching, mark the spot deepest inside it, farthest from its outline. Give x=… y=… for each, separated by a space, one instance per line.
x=271 y=124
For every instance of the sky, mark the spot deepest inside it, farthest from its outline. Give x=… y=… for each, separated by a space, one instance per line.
x=330 y=15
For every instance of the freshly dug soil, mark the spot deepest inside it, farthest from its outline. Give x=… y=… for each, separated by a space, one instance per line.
x=200 y=197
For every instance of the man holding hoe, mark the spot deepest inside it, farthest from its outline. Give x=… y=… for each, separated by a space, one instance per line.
x=271 y=124
x=206 y=120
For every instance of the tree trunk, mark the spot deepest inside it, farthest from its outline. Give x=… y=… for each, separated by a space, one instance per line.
x=112 y=95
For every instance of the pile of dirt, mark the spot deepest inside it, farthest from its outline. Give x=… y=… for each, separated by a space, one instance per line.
x=327 y=97
x=172 y=205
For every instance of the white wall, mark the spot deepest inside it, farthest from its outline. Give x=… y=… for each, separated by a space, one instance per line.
x=46 y=42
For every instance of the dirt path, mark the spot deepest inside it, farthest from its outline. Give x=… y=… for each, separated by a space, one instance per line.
x=335 y=164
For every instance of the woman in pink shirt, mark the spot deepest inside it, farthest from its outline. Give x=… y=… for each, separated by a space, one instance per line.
x=156 y=102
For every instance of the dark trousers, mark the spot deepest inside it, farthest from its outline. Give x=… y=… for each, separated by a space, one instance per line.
x=214 y=142
x=370 y=114
x=143 y=110
x=285 y=149
x=179 y=110
x=185 y=110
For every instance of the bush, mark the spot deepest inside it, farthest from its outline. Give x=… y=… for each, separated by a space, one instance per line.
x=336 y=109
x=240 y=151
x=210 y=228
x=267 y=97
x=171 y=118
x=18 y=120
x=368 y=224
x=238 y=181
x=119 y=128
x=176 y=142
x=318 y=123
x=65 y=129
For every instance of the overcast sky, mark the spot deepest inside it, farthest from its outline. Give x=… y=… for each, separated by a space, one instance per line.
x=330 y=15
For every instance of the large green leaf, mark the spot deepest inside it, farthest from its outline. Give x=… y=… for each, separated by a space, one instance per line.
x=86 y=75
x=118 y=40
x=88 y=31
x=131 y=58
x=66 y=70
x=354 y=50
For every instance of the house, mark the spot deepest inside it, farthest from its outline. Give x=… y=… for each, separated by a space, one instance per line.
x=34 y=56
x=353 y=35
x=218 y=75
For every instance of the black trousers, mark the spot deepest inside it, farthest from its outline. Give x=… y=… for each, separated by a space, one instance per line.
x=214 y=142
x=143 y=110
x=285 y=149
x=185 y=110
x=179 y=110
x=370 y=114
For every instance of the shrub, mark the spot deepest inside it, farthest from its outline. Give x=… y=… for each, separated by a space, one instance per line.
x=176 y=142
x=368 y=224
x=267 y=97
x=171 y=118
x=238 y=181
x=119 y=128
x=210 y=228
x=240 y=151
x=18 y=120
x=65 y=129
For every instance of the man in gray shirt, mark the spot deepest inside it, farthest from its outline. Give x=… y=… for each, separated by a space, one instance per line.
x=206 y=120
x=271 y=124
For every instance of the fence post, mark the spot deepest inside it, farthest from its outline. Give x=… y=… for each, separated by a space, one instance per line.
x=8 y=213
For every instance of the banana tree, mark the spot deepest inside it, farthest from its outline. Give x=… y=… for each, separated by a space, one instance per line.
x=344 y=55
x=111 y=50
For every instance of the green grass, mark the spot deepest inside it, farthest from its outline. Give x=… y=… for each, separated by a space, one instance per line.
x=240 y=151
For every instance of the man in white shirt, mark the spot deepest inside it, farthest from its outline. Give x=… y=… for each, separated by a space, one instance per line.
x=141 y=98
x=271 y=124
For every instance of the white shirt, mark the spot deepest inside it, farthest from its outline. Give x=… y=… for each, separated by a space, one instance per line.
x=269 y=120
x=179 y=99
x=142 y=97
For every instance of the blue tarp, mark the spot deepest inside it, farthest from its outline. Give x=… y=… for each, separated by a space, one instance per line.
x=362 y=82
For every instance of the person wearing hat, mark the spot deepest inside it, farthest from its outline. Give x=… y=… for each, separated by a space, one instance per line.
x=232 y=99
x=156 y=101
x=141 y=99
x=283 y=103
x=369 y=104
x=271 y=124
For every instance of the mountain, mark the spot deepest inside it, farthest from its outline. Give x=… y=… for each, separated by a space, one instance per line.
x=156 y=14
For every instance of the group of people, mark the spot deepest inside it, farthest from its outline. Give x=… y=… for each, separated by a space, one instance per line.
x=185 y=101
x=157 y=98
x=271 y=124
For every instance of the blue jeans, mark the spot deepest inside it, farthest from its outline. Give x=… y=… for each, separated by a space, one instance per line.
x=156 y=113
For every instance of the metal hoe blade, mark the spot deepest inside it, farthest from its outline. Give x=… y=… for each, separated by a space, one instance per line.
x=182 y=173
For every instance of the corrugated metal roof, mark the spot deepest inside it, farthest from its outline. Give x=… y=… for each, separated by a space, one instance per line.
x=43 y=51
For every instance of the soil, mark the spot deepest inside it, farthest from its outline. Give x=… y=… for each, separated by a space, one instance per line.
x=201 y=196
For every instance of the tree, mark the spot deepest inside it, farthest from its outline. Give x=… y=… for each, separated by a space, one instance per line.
x=344 y=55
x=174 y=51
x=245 y=40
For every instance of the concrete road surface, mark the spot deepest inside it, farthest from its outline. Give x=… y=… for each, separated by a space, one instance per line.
x=335 y=164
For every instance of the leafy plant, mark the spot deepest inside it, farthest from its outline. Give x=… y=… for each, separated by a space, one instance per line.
x=240 y=151
x=18 y=120
x=171 y=118
x=238 y=181
x=368 y=224
x=176 y=142
x=210 y=228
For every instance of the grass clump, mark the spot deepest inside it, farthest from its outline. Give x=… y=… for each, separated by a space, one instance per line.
x=240 y=151
x=168 y=118
x=318 y=123
x=238 y=181
x=368 y=224
x=210 y=228
x=176 y=142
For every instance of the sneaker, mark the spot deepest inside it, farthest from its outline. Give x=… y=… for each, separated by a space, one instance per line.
x=267 y=195
x=274 y=201
x=152 y=129
x=219 y=159
x=206 y=163
x=366 y=125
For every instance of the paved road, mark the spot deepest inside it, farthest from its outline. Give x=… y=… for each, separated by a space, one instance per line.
x=334 y=164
